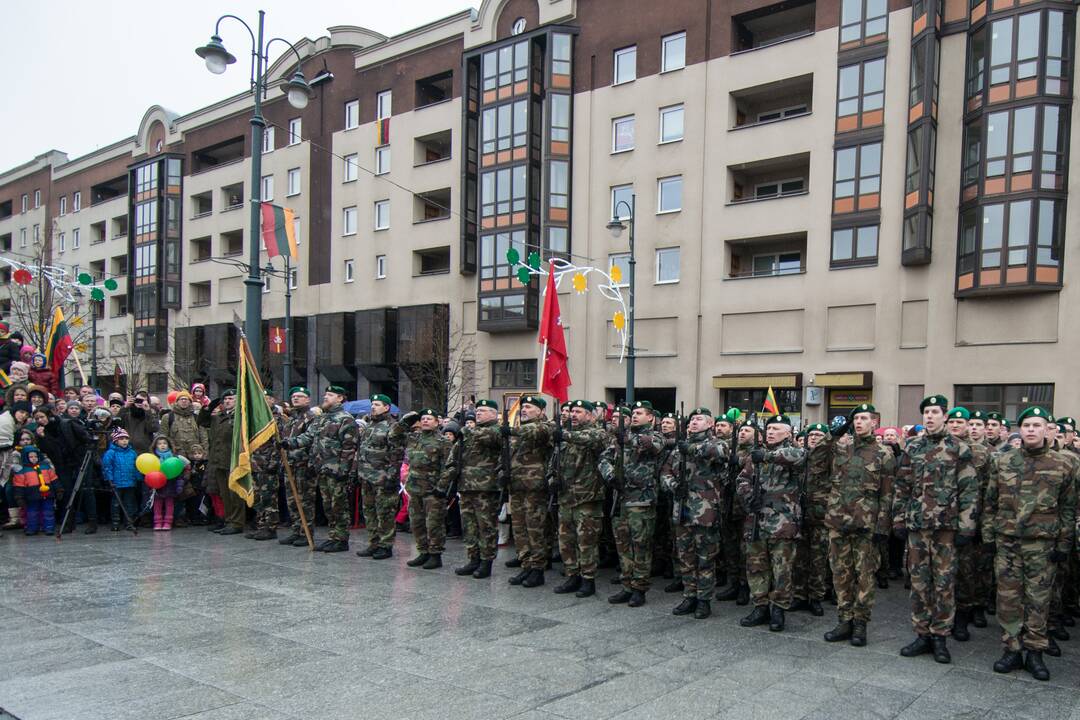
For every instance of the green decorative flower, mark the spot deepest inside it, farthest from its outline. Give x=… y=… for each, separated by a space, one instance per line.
x=97 y=294
x=534 y=260
x=110 y=285
x=524 y=276
x=85 y=279
x=512 y=256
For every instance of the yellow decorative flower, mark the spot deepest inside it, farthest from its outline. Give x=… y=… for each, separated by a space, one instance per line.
x=616 y=274
x=619 y=320
x=578 y=281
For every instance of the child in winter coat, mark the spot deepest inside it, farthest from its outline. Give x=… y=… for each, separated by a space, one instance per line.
x=118 y=468
x=165 y=498
x=34 y=482
x=193 y=493
x=42 y=375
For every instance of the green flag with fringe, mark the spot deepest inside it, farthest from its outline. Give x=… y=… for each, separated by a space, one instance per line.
x=253 y=425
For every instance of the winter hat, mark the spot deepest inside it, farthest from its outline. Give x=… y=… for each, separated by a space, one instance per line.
x=21 y=405
x=182 y=394
x=198 y=385
x=26 y=454
x=119 y=433
x=19 y=365
x=26 y=351
x=16 y=336
x=36 y=356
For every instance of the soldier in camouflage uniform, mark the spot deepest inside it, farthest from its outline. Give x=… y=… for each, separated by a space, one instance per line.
x=663 y=538
x=747 y=437
x=1029 y=521
x=530 y=444
x=994 y=440
x=858 y=515
x=936 y=498
x=478 y=490
x=1070 y=598
x=331 y=442
x=581 y=498
x=428 y=454
x=694 y=475
x=635 y=487
x=306 y=486
x=971 y=586
x=812 y=552
x=984 y=572
x=731 y=543
x=266 y=477
x=769 y=488
x=378 y=468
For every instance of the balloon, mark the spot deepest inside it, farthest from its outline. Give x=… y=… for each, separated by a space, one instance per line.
x=172 y=467
x=156 y=479
x=172 y=396
x=147 y=463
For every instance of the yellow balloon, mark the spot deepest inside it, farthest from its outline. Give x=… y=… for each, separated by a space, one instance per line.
x=147 y=463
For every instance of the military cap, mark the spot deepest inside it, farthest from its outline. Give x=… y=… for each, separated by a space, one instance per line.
x=567 y=405
x=670 y=416
x=488 y=404
x=732 y=415
x=864 y=407
x=994 y=416
x=623 y=410
x=534 y=400
x=644 y=405
x=934 y=401
x=299 y=390
x=818 y=427
x=429 y=411
x=1005 y=423
x=586 y=404
x=978 y=415
x=959 y=413
x=1066 y=421
x=267 y=393
x=780 y=419
x=379 y=397
x=1033 y=411
x=701 y=411
x=337 y=390
x=601 y=404
x=229 y=393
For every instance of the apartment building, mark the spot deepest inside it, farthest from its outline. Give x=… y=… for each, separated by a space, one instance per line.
x=844 y=200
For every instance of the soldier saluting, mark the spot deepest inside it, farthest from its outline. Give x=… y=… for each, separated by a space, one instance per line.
x=378 y=465
x=428 y=453
x=531 y=447
x=479 y=490
x=306 y=486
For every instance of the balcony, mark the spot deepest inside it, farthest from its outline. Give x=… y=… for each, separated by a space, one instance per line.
x=771 y=102
x=200 y=249
x=232 y=243
x=766 y=256
x=202 y=204
x=120 y=227
x=434 y=89
x=97 y=270
x=109 y=190
x=5 y=209
x=433 y=205
x=223 y=153
x=119 y=265
x=432 y=261
x=98 y=234
x=773 y=24
x=769 y=179
x=232 y=197
x=5 y=243
x=199 y=293
x=432 y=148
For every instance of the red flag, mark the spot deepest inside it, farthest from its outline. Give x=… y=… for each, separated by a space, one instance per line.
x=556 y=377
x=277 y=339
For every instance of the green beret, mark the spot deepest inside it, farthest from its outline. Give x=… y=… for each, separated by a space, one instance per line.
x=268 y=393
x=670 y=416
x=732 y=415
x=994 y=416
x=623 y=410
x=586 y=404
x=779 y=420
x=429 y=411
x=1050 y=418
x=864 y=407
x=959 y=413
x=1033 y=411
x=701 y=411
x=934 y=401
x=1067 y=421
x=978 y=415
x=1005 y=423
x=567 y=405
x=337 y=390
x=229 y=393
x=818 y=427
x=644 y=405
x=534 y=400
x=601 y=404
x=379 y=397
x=299 y=389
x=488 y=404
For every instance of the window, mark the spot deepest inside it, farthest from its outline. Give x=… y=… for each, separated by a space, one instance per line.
x=350 y=167
x=380 y=267
x=199 y=294
x=296 y=230
x=266 y=284
x=505 y=66
x=77 y=201
x=294 y=182
x=349 y=276
x=37 y=235
x=495 y=274
x=779 y=188
x=625 y=65
x=669 y=194
x=622 y=262
x=382 y=105
x=352 y=114
x=37 y=199
x=622 y=201
x=348 y=221
x=382 y=160
x=782 y=113
x=622 y=134
x=667 y=265
x=434 y=89
x=294 y=131
x=75 y=239
x=268 y=139
x=854 y=246
x=63 y=205
x=858 y=178
x=560 y=54
x=1056 y=70
x=382 y=215
x=267 y=186
x=787 y=263
x=25 y=202
x=560 y=184
x=61 y=242
x=432 y=261
x=560 y=117
x=671 y=123
x=863 y=21
x=513 y=373
x=674 y=52
x=505 y=126
x=1012 y=146
x=1009 y=400
x=293 y=279
x=502 y=191
x=1013 y=236
x=22 y=237
x=861 y=90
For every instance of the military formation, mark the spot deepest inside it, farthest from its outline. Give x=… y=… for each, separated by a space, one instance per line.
x=730 y=507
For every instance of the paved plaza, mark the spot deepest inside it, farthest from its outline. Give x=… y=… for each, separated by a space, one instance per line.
x=191 y=625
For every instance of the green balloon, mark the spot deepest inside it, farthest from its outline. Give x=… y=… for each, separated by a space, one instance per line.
x=97 y=294
x=172 y=467
x=524 y=276
x=512 y=256
x=534 y=260
x=110 y=285
x=85 y=279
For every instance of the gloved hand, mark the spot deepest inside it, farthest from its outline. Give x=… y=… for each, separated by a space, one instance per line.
x=900 y=533
x=1058 y=556
x=409 y=418
x=880 y=538
x=839 y=426
x=757 y=455
x=504 y=430
x=963 y=539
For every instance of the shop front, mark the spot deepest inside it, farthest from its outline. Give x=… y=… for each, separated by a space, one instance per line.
x=747 y=392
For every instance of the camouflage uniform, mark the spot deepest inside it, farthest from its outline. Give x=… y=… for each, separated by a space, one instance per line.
x=428 y=455
x=581 y=498
x=1030 y=513
x=307 y=487
x=266 y=476
x=378 y=467
x=771 y=532
x=530 y=448
x=479 y=489
x=663 y=537
x=734 y=518
x=331 y=442
x=1063 y=578
x=811 y=573
x=697 y=535
x=936 y=494
x=972 y=582
x=636 y=521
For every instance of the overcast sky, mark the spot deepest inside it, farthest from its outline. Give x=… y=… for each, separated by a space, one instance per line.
x=85 y=72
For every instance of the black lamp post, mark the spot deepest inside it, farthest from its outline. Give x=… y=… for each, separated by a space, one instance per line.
x=616 y=226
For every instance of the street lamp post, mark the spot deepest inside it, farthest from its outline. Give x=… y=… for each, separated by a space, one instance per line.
x=616 y=226
x=298 y=93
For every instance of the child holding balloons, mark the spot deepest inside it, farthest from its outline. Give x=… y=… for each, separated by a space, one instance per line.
x=172 y=469
x=118 y=468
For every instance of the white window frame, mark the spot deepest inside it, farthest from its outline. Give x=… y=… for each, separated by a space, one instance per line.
x=290 y=190
x=295 y=128
x=659 y=251
x=776 y=262
x=268 y=139
x=779 y=188
x=296 y=229
x=293 y=278
x=352 y=114
x=266 y=283
x=665 y=112
x=75 y=239
x=350 y=168
x=37 y=199
x=37 y=236
x=380 y=267
x=379 y=205
x=612 y=258
x=615 y=122
x=660 y=183
x=384 y=102
x=784 y=113
x=25 y=204
x=350 y=271
x=348 y=221
x=61 y=242
x=77 y=201
x=265 y=184
x=664 y=47
x=22 y=237
x=613 y=202
x=382 y=166
x=63 y=205
x=622 y=53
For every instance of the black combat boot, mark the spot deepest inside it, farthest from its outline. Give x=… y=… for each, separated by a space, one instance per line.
x=1056 y=629
x=758 y=616
x=588 y=588
x=744 y=595
x=620 y=597
x=265 y=534
x=728 y=595
x=858 y=633
x=300 y=542
x=249 y=535
x=776 y=619
x=434 y=562
x=920 y=646
x=336 y=546
x=703 y=610
x=293 y=537
x=1010 y=660
x=674 y=587
x=569 y=585
x=468 y=568
x=960 y=626
x=322 y=546
x=366 y=552
x=637 y=599
x=1052 y=649
x=978 y=617
x=520 y=577
x=91 y=528
x=419 y=560
x=1033 y=663
x=842 y=631
x=513 y=563
x=535 y=578
x=940 y=649
x=483 y=571
x=883 y=580
x=815 y=608
x=382 y=553
x=687 y=606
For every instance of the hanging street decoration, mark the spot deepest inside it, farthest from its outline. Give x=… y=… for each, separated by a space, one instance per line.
x=63 y=281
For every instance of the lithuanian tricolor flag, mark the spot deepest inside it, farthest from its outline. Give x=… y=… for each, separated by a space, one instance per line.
x=277 y=230
x=771 y=406
x=253 y=425
x=59 y=344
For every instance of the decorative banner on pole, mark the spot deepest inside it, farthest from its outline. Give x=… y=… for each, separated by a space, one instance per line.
x=277 y=339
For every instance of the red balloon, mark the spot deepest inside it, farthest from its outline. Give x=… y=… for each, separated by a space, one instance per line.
x=172 y=396
x=156 y=479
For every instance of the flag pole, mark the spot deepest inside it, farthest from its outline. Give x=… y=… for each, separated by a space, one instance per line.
x=78 y=364
x=296 y=497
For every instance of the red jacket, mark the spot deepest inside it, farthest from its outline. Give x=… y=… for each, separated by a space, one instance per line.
x=45 y=379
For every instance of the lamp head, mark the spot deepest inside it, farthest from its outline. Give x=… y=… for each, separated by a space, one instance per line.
x=297 y=90
x=216 y=56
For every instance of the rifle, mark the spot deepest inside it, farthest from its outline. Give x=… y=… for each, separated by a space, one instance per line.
x=756 y=496
x=451 y=492
x=620 y=468
x=681 y=490
x=556 y=472
x=504 y=474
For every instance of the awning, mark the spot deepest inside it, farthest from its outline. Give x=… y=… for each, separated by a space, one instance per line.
x=860 y=379
x=736 y=382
